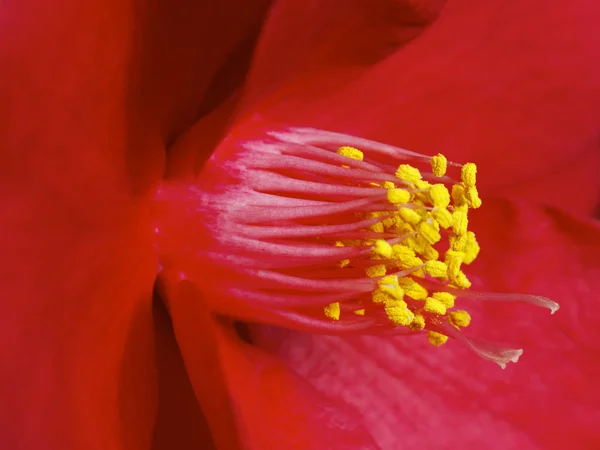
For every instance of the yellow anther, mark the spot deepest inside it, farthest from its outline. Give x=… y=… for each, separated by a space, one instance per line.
x=472 y=197
x=398 y=196
x=377 y=270
x=459 y=319
x=413 y=289
x=416 y=243
x=422 y=184
x=436 y=339
x=351 y=152
x=383 y=248
x=405 y=257
x=429 y=253
x=339 y=244
x=359 y=312
x=436 y=269
x=408 y=173
x=461 y=281
x=332 y=311
x=398 y=313
x=392 y=292
x=443 y=217
x=439 y=164
x=459 y=195
x=388 y=185
x=428 y=232
x=389 y=280
x=471 y=248
x=445 y=298
x=410 y=215
x=458 y=243
x=468 y=174
x=440 y=197
x=453 y=260
x=377 y=227
x=418 y=323
x=378 y=296
x=434 y=306
x=461 y=222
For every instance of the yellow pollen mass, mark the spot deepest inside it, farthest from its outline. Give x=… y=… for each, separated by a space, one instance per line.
x=389 y=280
x=398 y=196
x=436 y=269
x=378 y=296
x=436 y=339
x=472 y=196
x=461 y=222
x=418 y=323
x=439 y=164
x=410 y=215
x=471 y=248
x=383 y=248
x=440 y=197
x=458 y=195
x=377 y=270
x=468 y=174
x=434 y=306
x=404 y=257
x=398 y=313
x=418 y=216
x=408 y=173
x=429 y=253
x=351 y=152
x=443 y=217
x=413 y=289
x=460 y=280
x=445 y=298
x=458 y=243
x=428 y=232
x=453 y=260
x=332 y=311
x=459 y=319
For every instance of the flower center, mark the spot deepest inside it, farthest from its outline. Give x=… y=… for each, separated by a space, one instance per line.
x=327 y=232
x=414 y=282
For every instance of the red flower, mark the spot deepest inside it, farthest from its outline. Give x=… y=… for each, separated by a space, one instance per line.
x=528 y=119
x=90 y=112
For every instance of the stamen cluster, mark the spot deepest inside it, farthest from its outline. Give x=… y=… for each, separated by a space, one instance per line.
x=327 y=232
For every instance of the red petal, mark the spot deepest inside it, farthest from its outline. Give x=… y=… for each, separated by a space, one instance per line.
x=274 y=408
x=405 y=388
x=487 y=82
x=180 y=423
x=312 y=38
x=91 y=91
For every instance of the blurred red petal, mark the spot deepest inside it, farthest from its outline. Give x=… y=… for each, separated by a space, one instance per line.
x=405 y=388
x=510 y=85
x=180 y=423
x=271 y=406
x=91 y=93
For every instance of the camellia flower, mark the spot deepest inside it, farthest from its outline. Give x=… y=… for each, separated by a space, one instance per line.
x=256 y=255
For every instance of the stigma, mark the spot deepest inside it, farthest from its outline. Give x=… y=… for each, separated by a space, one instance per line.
x=331 y=233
